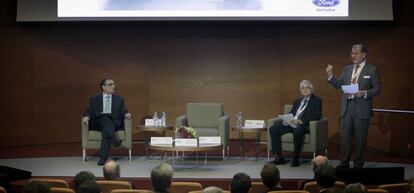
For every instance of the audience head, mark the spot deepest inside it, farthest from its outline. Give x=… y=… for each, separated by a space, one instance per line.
x=270 y=175
x=318 y=161
x=89 y=187
x=306 y=87
x=240 y=183
x=410 y=185
x=325 y=176
x=82 y=177
x=35 y=186
x=111 y=170
x=161 y=177
x=212 y=189
x=355 y=188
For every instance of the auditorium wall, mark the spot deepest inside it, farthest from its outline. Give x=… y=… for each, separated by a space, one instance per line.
x=49 y=71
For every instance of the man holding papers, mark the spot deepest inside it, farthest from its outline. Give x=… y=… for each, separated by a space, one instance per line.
x=360 y=82
x=306 y=108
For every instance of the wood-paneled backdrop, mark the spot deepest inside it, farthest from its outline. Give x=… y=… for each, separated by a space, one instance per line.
x=49 y=71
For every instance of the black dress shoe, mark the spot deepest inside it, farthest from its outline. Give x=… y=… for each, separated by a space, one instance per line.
x=101 y=162
x=278 y=161
x=359 y=165
x=295 y=162
x=117 y=144
x=342 y=166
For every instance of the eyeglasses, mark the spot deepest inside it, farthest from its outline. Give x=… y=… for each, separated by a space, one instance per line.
x=307 y=88
x=110 y=84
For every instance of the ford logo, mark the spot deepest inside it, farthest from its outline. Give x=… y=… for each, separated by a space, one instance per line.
x=326 y=3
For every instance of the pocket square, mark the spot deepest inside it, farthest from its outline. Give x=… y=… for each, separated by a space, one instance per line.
x=367 y=76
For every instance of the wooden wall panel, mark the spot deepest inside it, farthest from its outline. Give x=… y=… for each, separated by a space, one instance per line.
x=50 y=71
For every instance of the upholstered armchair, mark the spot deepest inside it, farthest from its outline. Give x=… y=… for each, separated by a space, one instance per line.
x=207 y=119
x=91 y=139
x=315 y=141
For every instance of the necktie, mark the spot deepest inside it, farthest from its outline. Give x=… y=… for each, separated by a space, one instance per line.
x=107 y=108
x=301 y=108
x=354 y=75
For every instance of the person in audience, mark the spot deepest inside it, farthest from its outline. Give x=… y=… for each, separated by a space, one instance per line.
x=5 y=183
x=271 y=177
x=410 y=185
x=212 y=189
x=305 y=109
x=355 y=188
x=35 y=186
x=82 y=177
x=106 y=113
x=326 y=177
x=241 y=183
x=89 y=187
x=316 y=163
x=161 y=177
x=112 y=171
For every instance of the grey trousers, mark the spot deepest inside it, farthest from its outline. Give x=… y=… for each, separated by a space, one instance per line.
x=352 y=125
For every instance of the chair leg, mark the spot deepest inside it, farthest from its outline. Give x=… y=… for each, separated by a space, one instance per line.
x=223 y=152
x=326 y=152
x=314 y=154
x=268 y=155
x=130 y=155
x=83 y=155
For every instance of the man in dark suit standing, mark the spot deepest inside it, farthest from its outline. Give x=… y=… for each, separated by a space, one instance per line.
x=305 y=109
x=106 y=113
x=356 y=109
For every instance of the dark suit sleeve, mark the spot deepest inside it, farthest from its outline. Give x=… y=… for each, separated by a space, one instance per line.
x=337 y=83
x=123 y=108
x=89 y=111
x=315 y=111
x=376 y=84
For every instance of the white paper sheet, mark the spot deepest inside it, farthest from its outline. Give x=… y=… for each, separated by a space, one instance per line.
x=288 y=119
x=350 y=89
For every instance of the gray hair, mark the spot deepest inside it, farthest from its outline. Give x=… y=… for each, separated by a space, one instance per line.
x=111 y=170
x=355 y=188
x=306 y=83
x=212 y=189
x=161 y=177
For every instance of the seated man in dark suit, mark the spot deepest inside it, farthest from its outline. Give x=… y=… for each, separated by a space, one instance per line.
x=106 y=113
x=305 y=109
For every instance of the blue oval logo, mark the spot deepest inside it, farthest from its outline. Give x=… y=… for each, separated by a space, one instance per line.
x=326 y=3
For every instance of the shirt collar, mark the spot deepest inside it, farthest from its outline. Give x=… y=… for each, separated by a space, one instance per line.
x=104 y=95
x=362 y=64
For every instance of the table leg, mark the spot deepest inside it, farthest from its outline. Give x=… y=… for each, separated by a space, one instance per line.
x=241 y=144
x=258 y=140
x=146 y=143
x=205 y=159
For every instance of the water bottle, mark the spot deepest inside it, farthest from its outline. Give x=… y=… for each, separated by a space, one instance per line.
x=239 y=121
x=155 y=118
x=164 y=119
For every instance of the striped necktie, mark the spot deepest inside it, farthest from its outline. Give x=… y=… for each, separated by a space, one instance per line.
x=107 y=107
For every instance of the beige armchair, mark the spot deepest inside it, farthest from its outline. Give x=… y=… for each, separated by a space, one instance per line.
x=315 y=141
x=91 y=139
x=207 y=119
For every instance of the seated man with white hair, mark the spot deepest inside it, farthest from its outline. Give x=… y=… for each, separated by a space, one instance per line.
x=306 y=108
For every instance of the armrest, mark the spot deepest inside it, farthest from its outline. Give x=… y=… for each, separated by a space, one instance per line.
x=224 y=129
x=318 y=130
x=128 y=133
x=181 y=121
x=273 y=121
x=85 y=129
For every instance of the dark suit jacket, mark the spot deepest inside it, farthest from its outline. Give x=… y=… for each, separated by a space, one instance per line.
x=368 y=80
x=313 y=110
x=95 y=108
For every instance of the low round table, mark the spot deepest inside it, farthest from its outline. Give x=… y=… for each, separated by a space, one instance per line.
x=257 y=130
x=148 y=129
x=199 y=148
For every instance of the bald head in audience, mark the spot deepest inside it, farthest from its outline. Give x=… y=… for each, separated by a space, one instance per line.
x=318 y=161
x=355 y=188
x=35 y=186
x=212 y=189
x=111 y=170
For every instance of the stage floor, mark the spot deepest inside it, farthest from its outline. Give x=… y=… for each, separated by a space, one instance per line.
x=140 y=167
